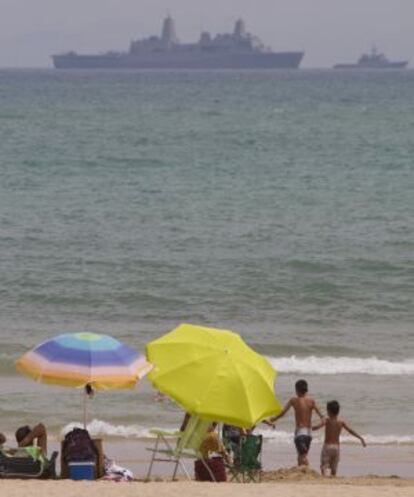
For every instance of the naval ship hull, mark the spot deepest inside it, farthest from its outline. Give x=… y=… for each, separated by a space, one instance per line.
x=278 y=60
x=389 y=65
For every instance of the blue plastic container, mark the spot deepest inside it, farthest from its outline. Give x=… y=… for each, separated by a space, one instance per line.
x=81 y=470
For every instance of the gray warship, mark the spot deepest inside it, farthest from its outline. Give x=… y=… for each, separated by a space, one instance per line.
x=374 y=60
x=237 y=50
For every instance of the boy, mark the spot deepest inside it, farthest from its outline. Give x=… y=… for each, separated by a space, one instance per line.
x=333 y=427
x=303 y=407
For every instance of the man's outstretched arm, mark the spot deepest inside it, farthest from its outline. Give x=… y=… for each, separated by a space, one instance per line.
x=319 y=425
x=281 y=414
x=318 y=412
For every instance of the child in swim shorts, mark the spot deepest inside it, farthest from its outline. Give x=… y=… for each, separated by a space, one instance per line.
x=303 y=406
x=333 y=427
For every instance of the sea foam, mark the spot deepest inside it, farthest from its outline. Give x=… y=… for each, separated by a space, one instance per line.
x=98 y=428
x=342 y=365
x=103 y=429
x=284 y=437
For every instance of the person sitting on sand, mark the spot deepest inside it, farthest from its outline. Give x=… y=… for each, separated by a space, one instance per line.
x=232 y=436
x=28 y=437
x=333 y=427
x=303 y=406
x=213 y=444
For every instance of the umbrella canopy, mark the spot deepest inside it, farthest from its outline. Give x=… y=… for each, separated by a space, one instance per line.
x=213 y=374
x=80 y=359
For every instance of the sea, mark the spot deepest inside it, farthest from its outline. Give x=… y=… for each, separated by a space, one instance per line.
x=276 y=204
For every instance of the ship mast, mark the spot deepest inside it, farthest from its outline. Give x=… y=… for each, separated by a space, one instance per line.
x=240 y=29
x=168 y=34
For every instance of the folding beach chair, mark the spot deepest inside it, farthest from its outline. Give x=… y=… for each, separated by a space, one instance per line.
x=187 y=444
x=247 y=467
x=26 y=463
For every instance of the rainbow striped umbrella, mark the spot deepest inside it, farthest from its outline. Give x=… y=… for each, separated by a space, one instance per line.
x=84 y=359
x=80 y=359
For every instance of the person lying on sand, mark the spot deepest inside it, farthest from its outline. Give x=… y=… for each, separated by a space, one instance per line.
x=333 y=427
x=303 y=405
x=27 y=437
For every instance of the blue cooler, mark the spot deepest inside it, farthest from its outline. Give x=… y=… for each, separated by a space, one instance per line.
x=81 y=470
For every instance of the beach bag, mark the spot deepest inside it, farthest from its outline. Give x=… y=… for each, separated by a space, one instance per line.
x=216 y=467
x=78 y=446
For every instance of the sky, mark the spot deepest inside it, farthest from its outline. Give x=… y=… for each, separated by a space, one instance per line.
x=329 y=31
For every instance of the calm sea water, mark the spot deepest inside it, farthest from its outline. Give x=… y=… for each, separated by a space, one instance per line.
x=276 y=204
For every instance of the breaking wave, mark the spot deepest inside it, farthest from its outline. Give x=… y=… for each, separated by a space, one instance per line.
x=98 y=428
x=341 y=365
x=103 y=429
x=284 y=437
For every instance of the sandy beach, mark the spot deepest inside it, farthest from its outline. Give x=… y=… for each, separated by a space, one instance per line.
x=363 y=487
x=355 y=461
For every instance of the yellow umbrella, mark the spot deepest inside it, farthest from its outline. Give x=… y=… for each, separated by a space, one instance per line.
x=213 y=374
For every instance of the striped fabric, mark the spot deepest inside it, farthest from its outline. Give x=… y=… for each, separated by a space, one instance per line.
x=78 y=359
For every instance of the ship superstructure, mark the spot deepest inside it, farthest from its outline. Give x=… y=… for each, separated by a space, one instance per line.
x=236 y=50
x=374 y=60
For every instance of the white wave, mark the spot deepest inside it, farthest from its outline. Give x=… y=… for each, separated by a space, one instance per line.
x=283 y=437
x=341 y=365
x=98 y=428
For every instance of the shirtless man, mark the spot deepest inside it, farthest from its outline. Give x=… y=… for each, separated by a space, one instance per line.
x=303 y=407
x=26 y=437
x=333 y=427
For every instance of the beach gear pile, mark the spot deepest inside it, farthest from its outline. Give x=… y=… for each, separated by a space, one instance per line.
x=211 y=373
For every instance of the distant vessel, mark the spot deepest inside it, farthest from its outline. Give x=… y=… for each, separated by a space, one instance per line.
x=237 y=50
x=374 y=60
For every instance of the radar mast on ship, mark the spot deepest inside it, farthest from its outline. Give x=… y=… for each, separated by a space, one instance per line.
x=169 y=35
x=240 y=29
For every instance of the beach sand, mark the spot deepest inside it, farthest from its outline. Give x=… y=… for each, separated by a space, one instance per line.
x=287 y=482
x=355 y=461
x=361 y=487
x=380 y=471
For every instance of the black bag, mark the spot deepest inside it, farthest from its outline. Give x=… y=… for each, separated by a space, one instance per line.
x=78 y=446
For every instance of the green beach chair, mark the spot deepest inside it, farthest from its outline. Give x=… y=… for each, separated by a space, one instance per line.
x=187 y=445
x=26 y=462
x=247 y=467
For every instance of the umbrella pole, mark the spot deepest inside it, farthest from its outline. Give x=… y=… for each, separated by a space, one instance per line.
x=84 y=409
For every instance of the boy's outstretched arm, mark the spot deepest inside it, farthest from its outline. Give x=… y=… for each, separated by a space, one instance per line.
x=354 y=433
x=281 y=414
x=319 y=413
x=318 y=426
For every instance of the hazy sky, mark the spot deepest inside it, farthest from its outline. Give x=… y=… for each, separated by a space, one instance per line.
x=329 y=31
